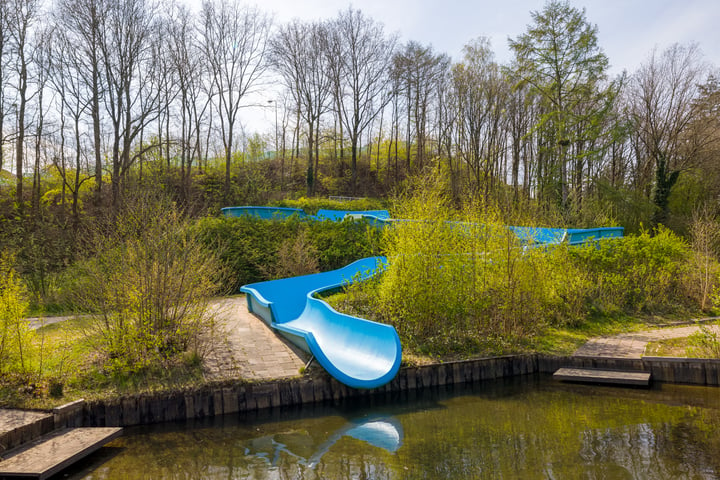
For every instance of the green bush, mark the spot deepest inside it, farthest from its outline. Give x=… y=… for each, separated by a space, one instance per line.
x=148 y=289
x=312 y=205
x=705 y=343
x=15 y=335
x=637 y=274
x=252 y=249
x=459 y=281
x=296 y=256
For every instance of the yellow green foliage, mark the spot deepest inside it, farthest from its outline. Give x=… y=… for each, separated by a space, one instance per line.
x=461 y=281
x=148 y=289
x=15 y=335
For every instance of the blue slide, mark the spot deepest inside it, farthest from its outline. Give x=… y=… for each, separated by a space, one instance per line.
x=573 y=236
x=381 y=217
x=357 y=352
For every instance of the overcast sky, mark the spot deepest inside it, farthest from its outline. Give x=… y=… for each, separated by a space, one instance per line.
x=628 y=30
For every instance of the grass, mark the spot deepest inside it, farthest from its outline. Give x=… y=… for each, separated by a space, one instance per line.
x=703 y=344
x=64 y=354
x=676 y=347
x=565 y=340
x=549 y=340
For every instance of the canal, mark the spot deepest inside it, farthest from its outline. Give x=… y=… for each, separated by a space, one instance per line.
x=522 y=428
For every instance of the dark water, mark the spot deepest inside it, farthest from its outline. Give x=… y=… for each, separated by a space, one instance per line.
x=524 y=428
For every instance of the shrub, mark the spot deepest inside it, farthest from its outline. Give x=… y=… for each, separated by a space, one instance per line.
x=312 y=205
x=296 y=256
x=639 y=273
x=704 y=266
x=250 y=248
x=457 y=279
x=148 y=288
x=15 y=335
x=705 y=343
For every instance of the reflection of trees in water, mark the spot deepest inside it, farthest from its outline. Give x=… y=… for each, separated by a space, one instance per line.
x=696 y=442
x=523 y=429
x=557 y=431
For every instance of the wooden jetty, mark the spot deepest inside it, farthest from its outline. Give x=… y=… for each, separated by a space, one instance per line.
x=592 y=375
x=52 y=453
x=41 y=444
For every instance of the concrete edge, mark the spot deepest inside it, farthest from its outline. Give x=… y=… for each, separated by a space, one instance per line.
x=236 y=397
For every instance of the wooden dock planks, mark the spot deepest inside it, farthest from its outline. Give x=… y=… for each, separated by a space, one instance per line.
x=614 y=377
x=56 y=451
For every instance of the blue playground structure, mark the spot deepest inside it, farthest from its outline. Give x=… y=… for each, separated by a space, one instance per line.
x=357 y=352
x=269 y=213
x=571 y=236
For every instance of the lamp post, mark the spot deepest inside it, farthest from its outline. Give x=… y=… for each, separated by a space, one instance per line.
x=277 y=148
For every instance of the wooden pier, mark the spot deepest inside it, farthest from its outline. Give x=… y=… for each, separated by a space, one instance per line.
x=52 y=453
x=613 y=377
x=40 y=444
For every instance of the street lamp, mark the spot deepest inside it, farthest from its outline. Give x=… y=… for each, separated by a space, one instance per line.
x=276 y=129
x=277 y=148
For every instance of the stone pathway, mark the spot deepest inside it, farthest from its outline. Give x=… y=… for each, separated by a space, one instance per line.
x=248 y=348
x=632 y=345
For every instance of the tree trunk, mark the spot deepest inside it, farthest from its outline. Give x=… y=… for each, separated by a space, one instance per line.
x=310 y=177
x=20 y=141
x=664 y=181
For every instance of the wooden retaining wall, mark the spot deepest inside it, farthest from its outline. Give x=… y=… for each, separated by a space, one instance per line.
x=229 y=398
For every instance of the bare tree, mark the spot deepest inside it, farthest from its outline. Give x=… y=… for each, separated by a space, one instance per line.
x=233 y=41
x=521 y=116
x=420 y=71
x=663 y=105
x=21 y=16
x=83 y=23
x=298 y=53
x=481 y=94
x=42 y=62
x=131 y=98
x=68 y=79
x=361 y=55
x=167 y=83
x=185 y=60
x=4 y=40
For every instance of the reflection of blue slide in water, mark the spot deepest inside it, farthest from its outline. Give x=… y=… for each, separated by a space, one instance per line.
x=381 y=431
x=384 y=432
x=357 y=352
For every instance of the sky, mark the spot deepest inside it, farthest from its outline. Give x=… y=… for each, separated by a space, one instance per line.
x=628 y=30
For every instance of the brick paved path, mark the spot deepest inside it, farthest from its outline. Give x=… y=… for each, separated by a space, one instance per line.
x=247 y=348
x=632 y=345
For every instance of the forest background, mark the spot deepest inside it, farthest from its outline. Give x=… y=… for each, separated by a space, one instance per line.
x=119 y=122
